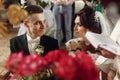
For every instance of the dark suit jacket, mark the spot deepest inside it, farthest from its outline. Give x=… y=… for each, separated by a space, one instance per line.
x=19 y=43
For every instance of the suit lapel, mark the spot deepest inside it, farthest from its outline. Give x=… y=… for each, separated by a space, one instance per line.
x=25 y=45
x=43 y=42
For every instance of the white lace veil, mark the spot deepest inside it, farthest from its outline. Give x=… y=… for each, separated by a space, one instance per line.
x=115 y=35
x=105 y=23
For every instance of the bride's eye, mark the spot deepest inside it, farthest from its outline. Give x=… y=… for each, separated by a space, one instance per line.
x=78 y=24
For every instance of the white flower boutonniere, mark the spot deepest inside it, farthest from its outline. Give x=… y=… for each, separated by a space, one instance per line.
x=39 y=49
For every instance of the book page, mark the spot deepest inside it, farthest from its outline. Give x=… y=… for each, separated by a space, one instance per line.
x=105 y=42
x=111 y=48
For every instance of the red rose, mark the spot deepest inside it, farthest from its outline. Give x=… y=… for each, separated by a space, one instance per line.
x=32 y=64
x=14 y=60
x=66 y=68
x=55 y=55
x=87 y=68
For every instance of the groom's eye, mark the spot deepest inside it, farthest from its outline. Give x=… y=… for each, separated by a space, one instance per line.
x=37 y=23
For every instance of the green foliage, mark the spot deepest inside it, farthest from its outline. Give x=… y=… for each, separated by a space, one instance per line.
x=43 y=4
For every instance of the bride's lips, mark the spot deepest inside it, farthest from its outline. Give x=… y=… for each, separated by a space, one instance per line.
x=76 y=31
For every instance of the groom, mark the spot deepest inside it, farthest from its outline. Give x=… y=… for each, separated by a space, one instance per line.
x=35 y=24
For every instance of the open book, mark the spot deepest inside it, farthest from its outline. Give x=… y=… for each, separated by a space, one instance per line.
x=101 y=41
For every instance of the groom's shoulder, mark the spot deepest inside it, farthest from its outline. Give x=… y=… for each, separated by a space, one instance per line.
x=49 y=38
x=18 y=37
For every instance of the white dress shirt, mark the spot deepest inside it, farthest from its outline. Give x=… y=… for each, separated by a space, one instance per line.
x=32 y=43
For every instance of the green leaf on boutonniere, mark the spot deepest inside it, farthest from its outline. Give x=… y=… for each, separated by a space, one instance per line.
x=39 y=49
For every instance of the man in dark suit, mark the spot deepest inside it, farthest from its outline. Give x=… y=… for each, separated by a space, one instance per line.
x=35 y=24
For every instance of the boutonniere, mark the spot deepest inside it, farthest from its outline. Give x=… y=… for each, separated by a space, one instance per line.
x=39 y=49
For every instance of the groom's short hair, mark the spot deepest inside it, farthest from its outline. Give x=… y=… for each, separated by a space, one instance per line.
x=32 y=9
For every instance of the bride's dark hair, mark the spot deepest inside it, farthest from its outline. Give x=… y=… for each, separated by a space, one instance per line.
x=87 y=19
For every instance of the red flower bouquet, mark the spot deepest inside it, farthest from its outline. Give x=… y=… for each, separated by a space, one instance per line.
x=21 y=65
x=60 y=63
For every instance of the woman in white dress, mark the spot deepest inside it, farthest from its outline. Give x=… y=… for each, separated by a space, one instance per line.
x=85 y=21
x=81 y=29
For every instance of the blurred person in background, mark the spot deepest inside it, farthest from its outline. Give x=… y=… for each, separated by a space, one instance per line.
x=63 y=7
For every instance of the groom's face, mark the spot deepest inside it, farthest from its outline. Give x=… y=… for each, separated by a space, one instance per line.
x=37 y=24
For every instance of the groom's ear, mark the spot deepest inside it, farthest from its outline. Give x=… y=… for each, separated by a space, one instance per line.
x=26 y=23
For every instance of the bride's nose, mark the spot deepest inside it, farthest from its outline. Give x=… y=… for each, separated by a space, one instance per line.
x=75 y=28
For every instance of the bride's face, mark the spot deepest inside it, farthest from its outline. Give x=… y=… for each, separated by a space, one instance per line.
x=79 y=29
